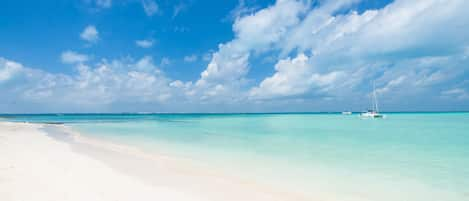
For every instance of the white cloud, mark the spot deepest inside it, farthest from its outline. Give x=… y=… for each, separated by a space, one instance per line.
x=93 y=87
x=406 y=26
x=224 y=67
x=413 y=50
x=267 y=26
x=457 y=93
x=71 y=57
x=343 y=52
x=293 y=77
x=90 y=34
x=256 y=32
x=241 y=9
x=8 y=69
x=177 y=83
x=150 y=7
x=144 y=43
x=190 y=58
x=391 y=84
x=398 y=40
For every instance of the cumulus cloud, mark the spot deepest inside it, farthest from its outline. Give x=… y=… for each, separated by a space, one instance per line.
x=150 y=7
x=90 y=34
x=339 y=54
x=293 y=77
x=256 y=32
x=396 y=44
x=144 y=43
x=415 y=51
x=8 y=69
x=100 y=85
x=71 y=57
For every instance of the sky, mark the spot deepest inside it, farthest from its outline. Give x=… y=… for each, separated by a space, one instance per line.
x=61 y=56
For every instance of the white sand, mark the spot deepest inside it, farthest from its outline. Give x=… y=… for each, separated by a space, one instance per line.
x=36 y=167
x=40 y=167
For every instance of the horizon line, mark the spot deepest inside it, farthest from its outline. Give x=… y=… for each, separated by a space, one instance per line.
x=215 y=113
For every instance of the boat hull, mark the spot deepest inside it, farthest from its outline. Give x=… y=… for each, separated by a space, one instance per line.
x=371 y=115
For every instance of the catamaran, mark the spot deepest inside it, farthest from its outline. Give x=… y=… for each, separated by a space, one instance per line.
x=374 y=112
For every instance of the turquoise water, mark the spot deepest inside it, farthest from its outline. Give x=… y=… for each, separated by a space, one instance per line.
x=406 y=156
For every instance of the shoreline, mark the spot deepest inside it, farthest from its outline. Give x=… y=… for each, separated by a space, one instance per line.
x=109 y=166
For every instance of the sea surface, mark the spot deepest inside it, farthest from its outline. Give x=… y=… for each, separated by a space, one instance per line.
x=403 y=157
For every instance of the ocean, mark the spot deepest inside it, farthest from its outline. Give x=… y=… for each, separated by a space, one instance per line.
x=405 y=156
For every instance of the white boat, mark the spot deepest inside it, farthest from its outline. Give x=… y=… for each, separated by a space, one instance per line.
x=371 y=114
x=346 y=113
x=374 y=112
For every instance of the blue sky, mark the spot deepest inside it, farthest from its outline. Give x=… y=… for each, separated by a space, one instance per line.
x=232 y=56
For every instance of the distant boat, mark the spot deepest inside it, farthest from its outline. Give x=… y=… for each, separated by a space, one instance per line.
x=346 y=113
x=374 y=112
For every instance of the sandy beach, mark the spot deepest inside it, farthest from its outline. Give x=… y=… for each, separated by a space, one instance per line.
x=243 y=100
x=42 y=162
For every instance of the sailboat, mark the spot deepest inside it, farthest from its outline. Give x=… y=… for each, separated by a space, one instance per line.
x=374 y=112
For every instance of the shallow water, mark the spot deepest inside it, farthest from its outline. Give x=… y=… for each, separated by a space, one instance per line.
x=406 y=156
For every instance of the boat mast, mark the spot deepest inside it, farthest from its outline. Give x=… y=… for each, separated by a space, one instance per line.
x=375 y=100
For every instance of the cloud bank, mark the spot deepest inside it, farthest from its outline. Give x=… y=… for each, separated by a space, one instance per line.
x=326 y=55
